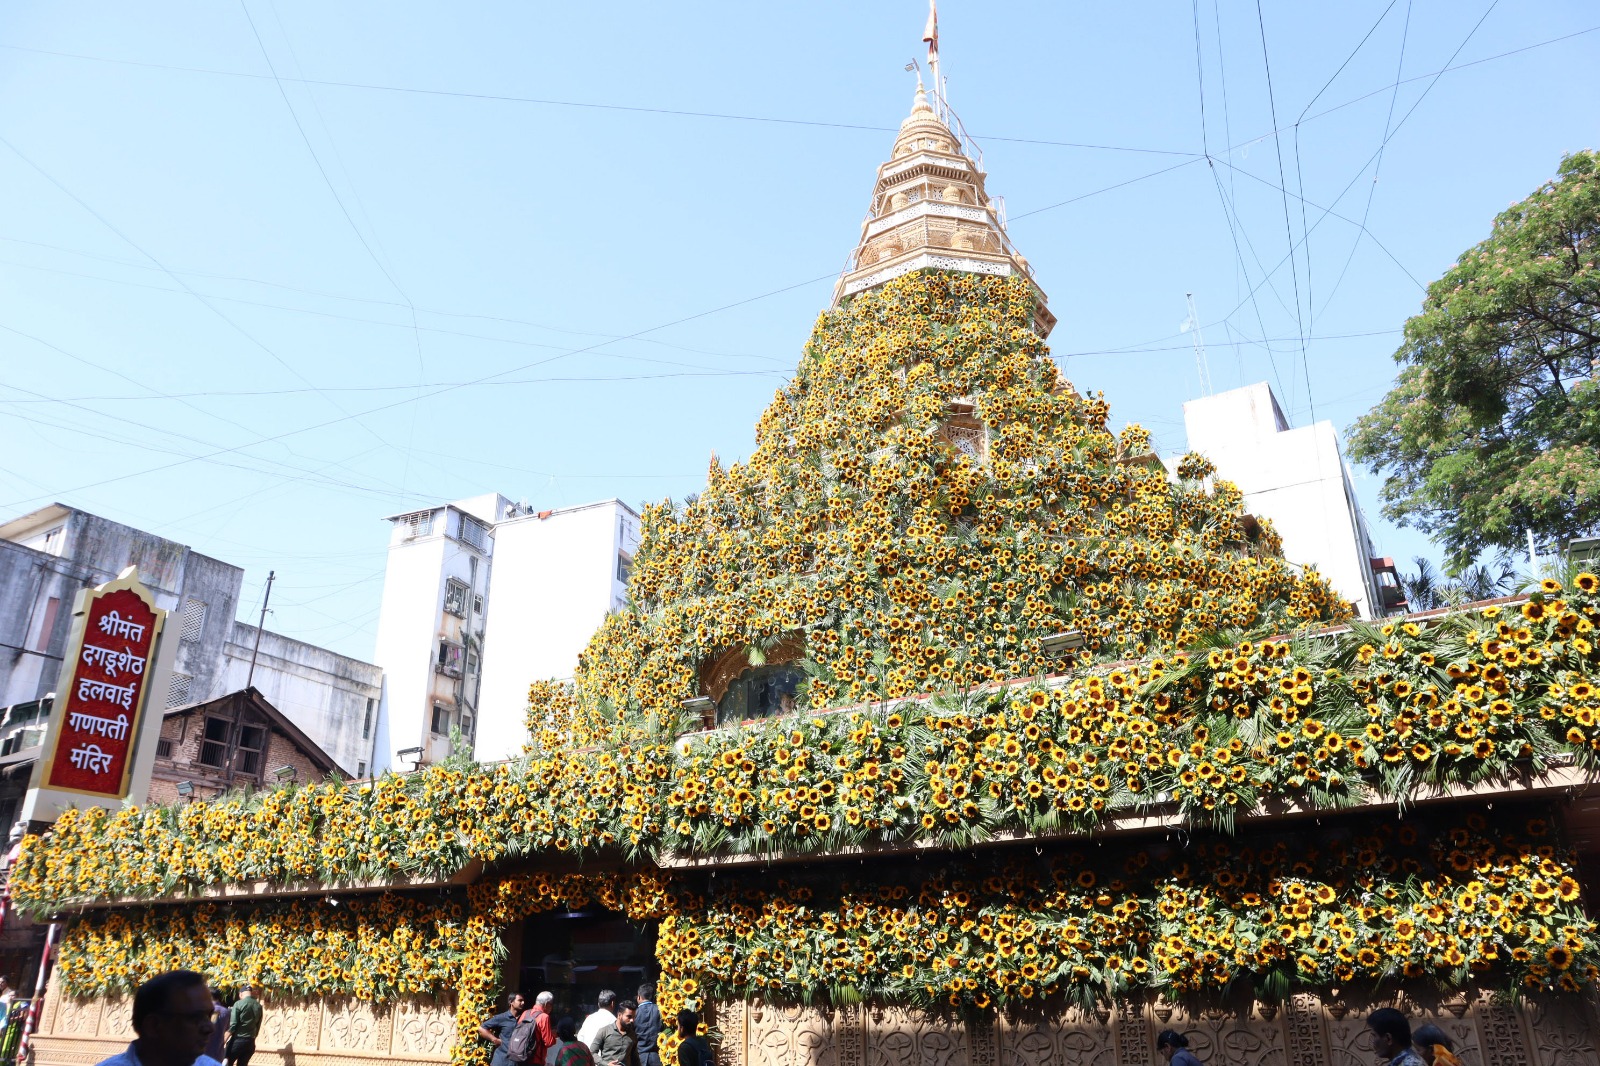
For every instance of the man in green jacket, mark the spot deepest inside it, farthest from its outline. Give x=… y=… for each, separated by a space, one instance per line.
x=244 y=1022
x=614 y=1045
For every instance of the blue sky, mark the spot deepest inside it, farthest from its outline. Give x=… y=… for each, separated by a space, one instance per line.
x=254 y=252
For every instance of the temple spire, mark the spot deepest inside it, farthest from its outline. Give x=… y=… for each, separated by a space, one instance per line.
x=929 y=207
x=930 y=34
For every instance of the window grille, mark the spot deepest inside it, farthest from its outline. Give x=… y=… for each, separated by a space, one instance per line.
x=164 y=748
x=441 y=720
x=416 y=525
x=193 y=621
x=361 y=769
x=366 y=723
x=252 y=746
x=455 y=598
x=214 y=744
x=474 y=534
x=178 y=690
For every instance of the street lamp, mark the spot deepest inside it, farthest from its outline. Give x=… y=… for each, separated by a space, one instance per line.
x=1057 y=645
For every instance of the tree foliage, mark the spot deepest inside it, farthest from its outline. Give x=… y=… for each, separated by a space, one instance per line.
x=1493 y=426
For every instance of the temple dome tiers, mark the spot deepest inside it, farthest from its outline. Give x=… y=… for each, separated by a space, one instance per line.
x=927 y=500
x=930 y=210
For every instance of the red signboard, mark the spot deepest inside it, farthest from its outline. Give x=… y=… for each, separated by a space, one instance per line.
x=98 y=706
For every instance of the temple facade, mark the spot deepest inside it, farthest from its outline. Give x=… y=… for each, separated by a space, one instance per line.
x=948 y=729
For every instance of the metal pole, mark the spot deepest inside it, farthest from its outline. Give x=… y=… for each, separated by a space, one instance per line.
x=261 y=624
x=32 y=1021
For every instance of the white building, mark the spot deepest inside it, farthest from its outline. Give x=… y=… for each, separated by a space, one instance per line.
x=557 y=574
x=481 y=598
x=1298 y=479
x=431 y=626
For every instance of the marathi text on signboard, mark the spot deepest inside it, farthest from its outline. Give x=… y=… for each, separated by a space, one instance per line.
x=100 y=702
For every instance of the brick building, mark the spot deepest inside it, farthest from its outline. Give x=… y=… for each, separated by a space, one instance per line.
x=237 y=741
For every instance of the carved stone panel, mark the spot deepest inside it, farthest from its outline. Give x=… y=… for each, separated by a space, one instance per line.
x=293 y=1024
x=1302 y=1023
x=424 y=1030
x=1501 y=1036
x=1563 y=1032
x=78 y=1017
x=850 y=1033
x=900 y=1036
x=1056 y=1037
x=351 y=1025
x=116 y=1019
x=790 y=1036
x=1134 y=1035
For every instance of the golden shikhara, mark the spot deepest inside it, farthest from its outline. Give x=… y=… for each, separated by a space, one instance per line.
x=926 y=500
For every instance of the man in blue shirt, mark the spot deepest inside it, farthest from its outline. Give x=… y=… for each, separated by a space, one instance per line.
x=497 y=1030
x=173 y=1017
x=647 y=1026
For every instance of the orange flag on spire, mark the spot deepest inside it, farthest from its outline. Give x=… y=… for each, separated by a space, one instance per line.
x=931 y=33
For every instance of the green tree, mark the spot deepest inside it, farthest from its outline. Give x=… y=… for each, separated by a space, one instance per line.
x=1493 y=425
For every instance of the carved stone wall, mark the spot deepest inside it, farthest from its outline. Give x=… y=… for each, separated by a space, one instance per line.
x=294 y=1032
x=1305 y=1030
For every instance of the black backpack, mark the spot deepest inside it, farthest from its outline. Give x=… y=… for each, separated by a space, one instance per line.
x=521 y=1040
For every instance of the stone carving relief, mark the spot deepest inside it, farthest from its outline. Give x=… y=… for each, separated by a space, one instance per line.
x=289 y=1025
x=78 y=1017
x=1500 y=1033
x=1304 y=1030
x=1233 y=1040
x=1563 y=1032
x=1302 y=1022
x=116 y=1019
x=423 y=1030
x=790 y=1036
x=351 y=1025
x=900 y=1036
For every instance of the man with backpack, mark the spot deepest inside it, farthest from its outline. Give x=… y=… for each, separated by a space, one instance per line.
x=498 y=1029
x=534 y=1035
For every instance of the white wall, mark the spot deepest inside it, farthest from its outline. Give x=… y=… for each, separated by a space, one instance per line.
x=413 y=598
x=326 y=694
x=555 y=579
x=1294 y=477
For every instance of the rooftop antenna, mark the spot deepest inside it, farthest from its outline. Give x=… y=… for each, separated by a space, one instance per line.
x=1201 y=366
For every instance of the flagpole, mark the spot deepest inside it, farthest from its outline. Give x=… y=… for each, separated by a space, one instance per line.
x=931 y=35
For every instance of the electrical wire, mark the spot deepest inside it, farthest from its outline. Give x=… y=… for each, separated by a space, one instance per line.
x=1372 y=189
x=1230 y=214
x=1299 y=177
x=1288 y=229
x=551 y=102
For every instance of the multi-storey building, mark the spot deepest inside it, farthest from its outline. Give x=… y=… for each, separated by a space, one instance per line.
x=431 y=627
x=550 y=578
x=1297 y=478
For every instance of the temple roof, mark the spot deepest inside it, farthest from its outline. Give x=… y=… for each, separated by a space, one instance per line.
x=930 y=210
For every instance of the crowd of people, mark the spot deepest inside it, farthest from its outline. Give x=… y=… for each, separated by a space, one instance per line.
x=615 y=1033
x=181 y=1021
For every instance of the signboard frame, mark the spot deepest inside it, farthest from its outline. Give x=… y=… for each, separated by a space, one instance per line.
x=45 y=801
